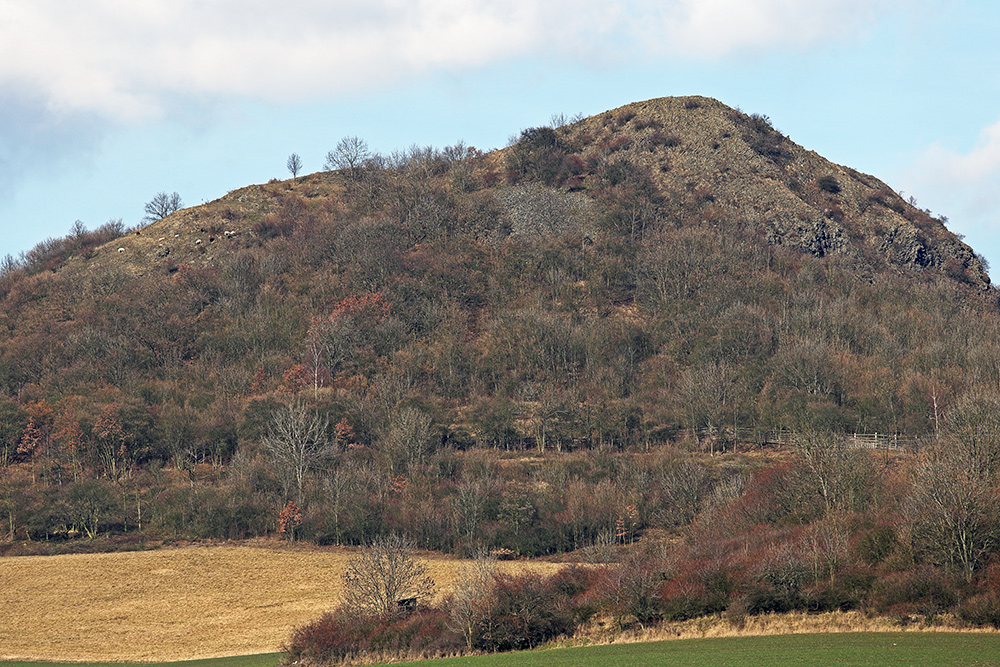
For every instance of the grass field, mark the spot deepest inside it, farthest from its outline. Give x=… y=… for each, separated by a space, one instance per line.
x=927 y=649
x=883 y=649
x=170 y=604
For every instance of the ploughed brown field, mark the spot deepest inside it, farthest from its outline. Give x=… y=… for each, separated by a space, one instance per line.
x=172 y=604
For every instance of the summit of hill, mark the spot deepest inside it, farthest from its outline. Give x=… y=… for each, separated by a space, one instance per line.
x=698 y=158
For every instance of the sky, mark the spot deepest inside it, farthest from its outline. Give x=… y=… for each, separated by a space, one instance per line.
x=105 y=103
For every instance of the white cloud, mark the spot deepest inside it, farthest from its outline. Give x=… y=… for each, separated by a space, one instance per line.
x=968 y=180
x=125 y=58
x=963 y=186
x=717 y=28
x=978 y=166
x=121 y=58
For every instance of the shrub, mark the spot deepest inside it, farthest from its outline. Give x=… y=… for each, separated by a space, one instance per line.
x=526 y=611
x=538 y=154
x=885 y=197
x=93 y=507
x=828 y=184
x=875 y=544
x=923 y=591
x=273 y=227
x=644 y=123
x=698 y=587
x=333 y=636
x=615 y=144
x=631 y=590
x=771 y=145
x=983 y=609
x=665 y=139
x=212 y=513
x=340 y=634
x=423 y=633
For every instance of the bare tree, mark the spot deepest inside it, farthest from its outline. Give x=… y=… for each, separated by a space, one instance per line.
x=350 y=153
x=161 y=206
x=407 y=440
x=952 y=505
x=470 y=501
x=384 y=574
x=972 y=424
x=294 y=164
x=684 y=487
x=827 y=547
x=560 y=119
x=297 y=442
x=78 y=230
x=843 y=476
x=603 y=548
x=707 y=392
x=471 y=600
x=952 y=509
x=630 y=589
x=331 y=341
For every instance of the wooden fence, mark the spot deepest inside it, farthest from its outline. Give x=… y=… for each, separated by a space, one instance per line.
x=893 y=442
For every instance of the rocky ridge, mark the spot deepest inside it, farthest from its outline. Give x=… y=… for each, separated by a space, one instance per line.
x=706 y=159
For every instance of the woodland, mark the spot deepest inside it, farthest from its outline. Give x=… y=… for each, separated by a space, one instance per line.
x=579 y=346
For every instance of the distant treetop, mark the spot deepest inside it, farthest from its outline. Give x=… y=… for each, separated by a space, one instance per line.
x=162 y=205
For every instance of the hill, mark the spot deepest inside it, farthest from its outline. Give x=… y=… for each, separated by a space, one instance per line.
x=616 y=259
x=580 y=340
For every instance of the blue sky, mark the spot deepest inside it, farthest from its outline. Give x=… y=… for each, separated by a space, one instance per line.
x=105 y=103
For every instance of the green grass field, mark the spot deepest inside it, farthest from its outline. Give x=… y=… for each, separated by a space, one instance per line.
x=909 y=649
x=903 y=649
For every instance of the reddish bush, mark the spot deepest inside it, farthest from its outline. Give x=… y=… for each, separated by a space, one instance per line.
x=340 y=634
x=660 y=138
x=983 y=609
x=423 y=633
x=924 y=591
x=273 y=227
x=616 y=144
x=333 y=636
x=643 y=123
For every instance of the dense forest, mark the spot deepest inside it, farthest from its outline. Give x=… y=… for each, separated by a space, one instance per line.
x=579 y=342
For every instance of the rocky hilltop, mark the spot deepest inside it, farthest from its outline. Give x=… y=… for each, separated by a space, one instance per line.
x=699 y=149
x=703 y=158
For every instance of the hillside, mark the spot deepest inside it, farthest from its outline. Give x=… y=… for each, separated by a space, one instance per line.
x=617 y=257
x=581 y=340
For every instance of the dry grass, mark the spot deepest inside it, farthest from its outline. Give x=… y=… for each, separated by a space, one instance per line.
x=770 y=624
x=173 y=604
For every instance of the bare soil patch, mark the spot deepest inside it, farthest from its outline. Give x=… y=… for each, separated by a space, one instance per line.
x=173 y=604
